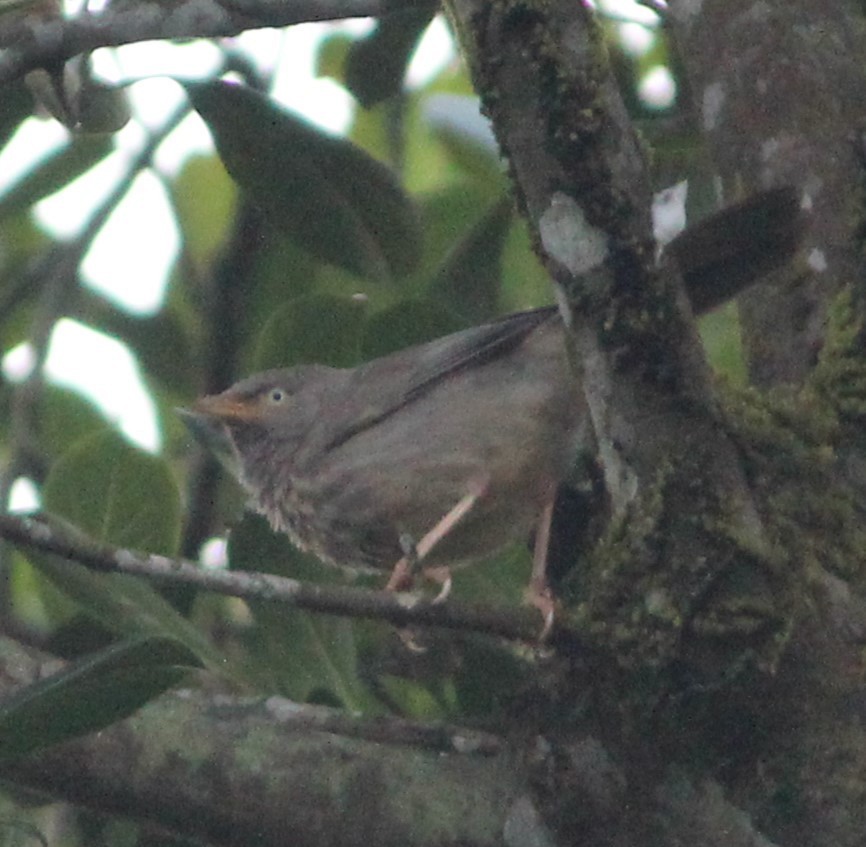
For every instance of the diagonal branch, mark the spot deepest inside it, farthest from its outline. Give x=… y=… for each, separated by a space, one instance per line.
x=400 y=609
x=32 y=42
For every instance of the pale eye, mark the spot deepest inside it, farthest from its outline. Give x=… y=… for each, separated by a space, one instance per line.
x=276 y=396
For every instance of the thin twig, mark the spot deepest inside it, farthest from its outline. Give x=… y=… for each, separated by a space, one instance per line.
x=519 y=624
x=387 y=729
x=660 y=7
x=31 y=42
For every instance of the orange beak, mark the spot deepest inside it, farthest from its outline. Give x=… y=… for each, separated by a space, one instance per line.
x=225 y=408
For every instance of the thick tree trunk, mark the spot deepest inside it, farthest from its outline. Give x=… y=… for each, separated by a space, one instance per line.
x=779 y=92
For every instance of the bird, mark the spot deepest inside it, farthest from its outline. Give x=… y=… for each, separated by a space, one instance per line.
x=444 y=453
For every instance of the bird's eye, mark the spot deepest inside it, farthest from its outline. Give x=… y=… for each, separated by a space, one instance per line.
x=276 y=395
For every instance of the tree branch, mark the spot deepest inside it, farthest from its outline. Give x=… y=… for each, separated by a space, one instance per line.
x=235 y=771
x=238 y=770
x=31 y=42
x=520 y=624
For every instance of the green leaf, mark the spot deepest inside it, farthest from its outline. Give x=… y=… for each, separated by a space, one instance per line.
x=525 y=282
x=376 y=64
x=21 y=241
x=331 y=55
x=332 y=198
x=17 y=107
x=394 y=132
x=66 y=417
x=413 y=699
x=720 y=333
x=407 y=323
x=280 y=271
x=116 y=493
x=468 y=280
x=128 y=605
x=448 y=215
x=498 y=580
x=299 y=654
x=91 y=693
x=204 y=197
x=319 y=328
x=120 y=495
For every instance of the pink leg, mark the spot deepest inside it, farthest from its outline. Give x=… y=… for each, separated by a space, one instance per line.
x=401 y=576
x=538 y=592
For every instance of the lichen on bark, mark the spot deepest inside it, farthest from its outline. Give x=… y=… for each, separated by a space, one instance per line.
x=795 y=446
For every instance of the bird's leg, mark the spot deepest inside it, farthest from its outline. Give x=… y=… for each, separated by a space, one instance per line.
x=538 y=592
x=401 y=576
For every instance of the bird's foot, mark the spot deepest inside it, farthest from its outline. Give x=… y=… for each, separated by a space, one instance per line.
x=541 y=598
x=404 y=573
x=403 y=576
x=440 y=574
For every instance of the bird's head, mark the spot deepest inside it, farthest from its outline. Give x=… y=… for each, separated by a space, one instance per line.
x=256 y=426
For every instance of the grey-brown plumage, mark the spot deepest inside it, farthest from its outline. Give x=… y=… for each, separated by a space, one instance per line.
x=352 y=463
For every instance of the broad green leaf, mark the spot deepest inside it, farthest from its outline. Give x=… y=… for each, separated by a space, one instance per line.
x=407 y=323
x=331 y=56
x=413 y=699
x=297 y=653
x=394 y=132
x=128 y=605
x=116 y=493
x=308 y=657
x=319 y=328
x=448 y=215
x=36 y=599
x=468 y=280
x=91 y=693
x=120 y=495
x=66 y=417
x=500 y=580
x=21 y=241
x=376 y=64
x=525 y=282
x=205 y=199
x=280 y=271
x=331 y=197
x=76 y=635
x=17 y=106
x=720 y=333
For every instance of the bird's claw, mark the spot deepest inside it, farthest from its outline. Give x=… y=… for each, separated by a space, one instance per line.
x=541 y=598
x=442 y=575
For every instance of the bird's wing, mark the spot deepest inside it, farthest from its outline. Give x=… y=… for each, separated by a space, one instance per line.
x=405 y=376
x=472 y=348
